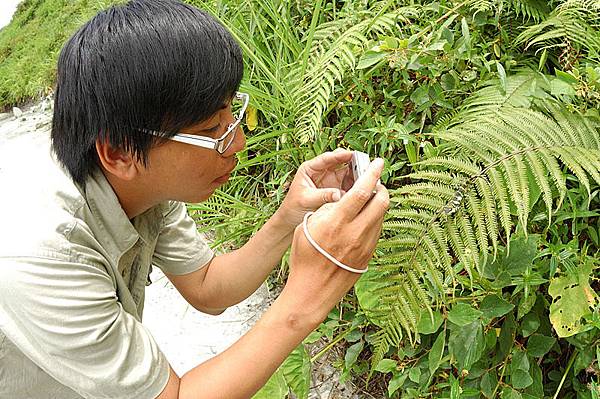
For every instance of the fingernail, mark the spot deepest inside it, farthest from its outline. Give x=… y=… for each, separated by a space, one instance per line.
x=336 y=196
x=378 y=162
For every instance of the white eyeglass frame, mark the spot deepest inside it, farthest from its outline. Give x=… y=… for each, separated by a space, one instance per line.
x=219 y=144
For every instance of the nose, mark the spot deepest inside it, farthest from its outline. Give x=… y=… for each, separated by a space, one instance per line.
x=239 y=142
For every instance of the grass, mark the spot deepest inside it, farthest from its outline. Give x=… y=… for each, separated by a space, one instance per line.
x=31 y=43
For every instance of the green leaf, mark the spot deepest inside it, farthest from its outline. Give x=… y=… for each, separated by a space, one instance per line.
x=370 y=58
x=466 y=344
x=386 y=365
x=509 y=393
x=296 y=371
x=396 y=382
x=463 y=314
x=502 y=76
x=530 y=324
x=558 y=88
x=566 y=77
x=426 y=325
x=538 y=345
x=518 y=259
x=488 y=383
x=275 y=388
x=420 y=95
x=525 y=305
x=536 y=389
x=415 y=374
x=494 y=306
x=521 y=379
x=572 y=299
x=519 y=360
x=437 y=352
x=352 y=354
x=582 y=361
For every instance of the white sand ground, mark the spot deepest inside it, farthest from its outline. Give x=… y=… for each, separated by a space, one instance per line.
x=186 y=336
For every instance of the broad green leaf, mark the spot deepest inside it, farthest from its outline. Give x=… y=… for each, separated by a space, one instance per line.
x=519 y=360
x=507 y=335
x=494 y=306
x=396 y=382
x=386 y=365
x=420 y=95
x=519 y=257
x=462 y=314
x=566 y=77
x=520 y=379
x=558 y=88
x=426 y=325
x=525 y=305
x=488 y=383
x=275 y=388
x=296 y=371
x=466 y=344
x=366 y=291
x=583 y=360
x=572 y=299
x=536 y=389
x=415 y=374
x=530 y=324
x=509 y=393
x=370 y=58
x=538 y=345
x=437 y=352
x=352 y=354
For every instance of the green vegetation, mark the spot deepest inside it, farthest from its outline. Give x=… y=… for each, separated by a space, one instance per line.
x=30 y=44
x=486 y=111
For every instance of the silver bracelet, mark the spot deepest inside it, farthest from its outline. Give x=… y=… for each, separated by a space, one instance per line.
x=325 y=253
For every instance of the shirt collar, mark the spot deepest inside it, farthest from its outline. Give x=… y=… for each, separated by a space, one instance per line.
x=117 y=233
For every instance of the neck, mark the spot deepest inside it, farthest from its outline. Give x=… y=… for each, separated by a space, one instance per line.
x=132 y=195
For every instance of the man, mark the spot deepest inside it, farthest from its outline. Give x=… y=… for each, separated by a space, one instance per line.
x=143 y=122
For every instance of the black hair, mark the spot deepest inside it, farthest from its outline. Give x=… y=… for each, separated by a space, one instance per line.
x=148 y=64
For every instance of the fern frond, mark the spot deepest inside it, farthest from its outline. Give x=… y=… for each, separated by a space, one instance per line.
x=336 y=46
x=465 y=199
x=573 y=23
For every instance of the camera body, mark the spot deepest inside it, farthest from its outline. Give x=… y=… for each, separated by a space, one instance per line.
x=359 y=164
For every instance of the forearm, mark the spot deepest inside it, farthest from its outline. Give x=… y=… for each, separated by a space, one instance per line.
x=243 y=368
x=234 y=276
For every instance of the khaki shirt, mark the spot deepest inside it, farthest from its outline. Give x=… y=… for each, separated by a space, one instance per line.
x=73 y=270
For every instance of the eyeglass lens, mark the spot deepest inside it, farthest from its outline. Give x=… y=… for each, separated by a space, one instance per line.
x=236 y=110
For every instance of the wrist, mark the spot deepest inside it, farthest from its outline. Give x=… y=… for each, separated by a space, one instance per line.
x=284 y=220
x=297 y=313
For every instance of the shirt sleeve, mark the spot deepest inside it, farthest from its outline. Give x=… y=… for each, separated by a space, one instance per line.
x=65 y=317
x=180 y=248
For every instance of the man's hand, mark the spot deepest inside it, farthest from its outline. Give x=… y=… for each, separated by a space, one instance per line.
x=319 y=181
x=349 y=231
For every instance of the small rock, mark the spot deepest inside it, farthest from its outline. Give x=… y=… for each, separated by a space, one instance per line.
x=17 y=112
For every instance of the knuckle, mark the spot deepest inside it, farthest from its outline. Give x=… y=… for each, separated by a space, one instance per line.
x=362 y=194
x=385 y=202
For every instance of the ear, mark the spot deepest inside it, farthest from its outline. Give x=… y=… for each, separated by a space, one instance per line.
x=116 y=161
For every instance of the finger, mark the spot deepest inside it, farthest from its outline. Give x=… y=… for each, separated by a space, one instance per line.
x=328 y=160
x=315 y=198
x=361 y=192
x=376 y=208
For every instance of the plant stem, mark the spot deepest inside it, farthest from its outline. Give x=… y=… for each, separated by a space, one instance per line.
x=331 y=344
x=564 y=377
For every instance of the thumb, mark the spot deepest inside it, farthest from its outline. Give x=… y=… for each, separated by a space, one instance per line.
x=323 y=196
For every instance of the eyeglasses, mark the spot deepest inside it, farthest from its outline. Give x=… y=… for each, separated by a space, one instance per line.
x=239 y=103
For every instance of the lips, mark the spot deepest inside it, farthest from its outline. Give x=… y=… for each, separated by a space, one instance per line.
x=225 y=177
